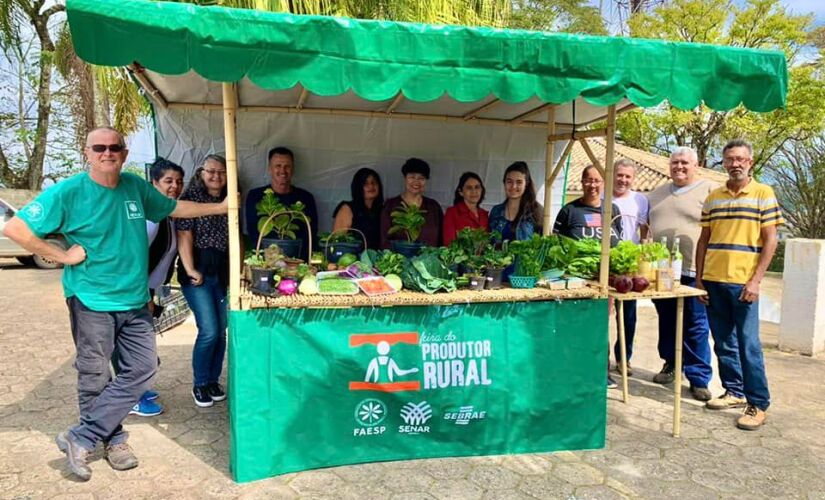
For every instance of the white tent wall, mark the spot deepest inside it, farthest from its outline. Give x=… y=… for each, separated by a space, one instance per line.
x=329 y=149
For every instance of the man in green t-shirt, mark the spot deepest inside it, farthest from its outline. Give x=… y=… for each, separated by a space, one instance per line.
x=102 y=214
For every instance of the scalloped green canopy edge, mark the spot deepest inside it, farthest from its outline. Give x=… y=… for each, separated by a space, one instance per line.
x=378 y=59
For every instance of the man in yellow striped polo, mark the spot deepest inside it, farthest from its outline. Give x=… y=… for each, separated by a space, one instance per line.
x=738 y=240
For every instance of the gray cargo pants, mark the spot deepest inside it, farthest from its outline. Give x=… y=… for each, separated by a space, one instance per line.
x=105 y=402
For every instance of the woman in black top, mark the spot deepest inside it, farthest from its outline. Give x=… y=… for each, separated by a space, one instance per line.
x=363 y=212
x=203 y=273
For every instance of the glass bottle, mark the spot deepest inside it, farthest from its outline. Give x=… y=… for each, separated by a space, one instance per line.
x=676 y=260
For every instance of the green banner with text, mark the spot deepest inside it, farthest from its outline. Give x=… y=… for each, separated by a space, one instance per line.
x=313 y=388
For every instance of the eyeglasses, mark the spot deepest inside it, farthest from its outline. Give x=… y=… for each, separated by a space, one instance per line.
x=101 y=148
x=215 y=172
x=734 y=160
x=591 y=182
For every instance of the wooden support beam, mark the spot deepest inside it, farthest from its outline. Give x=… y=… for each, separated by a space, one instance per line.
x=559 y=164
x=394 y=104
x=154 y=94
x=595 y=161
x=490 y=105
x=548 y=175
x=364 y=114
x=581 y=134
x=230 y=107
x=607 y=212
x=302 y=99
x=520 y=118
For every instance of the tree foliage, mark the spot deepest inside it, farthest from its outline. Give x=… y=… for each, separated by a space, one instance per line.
x=571 y=16
x=763 y=24
x=799 y=182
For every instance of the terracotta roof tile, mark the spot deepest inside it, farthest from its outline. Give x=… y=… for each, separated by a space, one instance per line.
x=652 y=170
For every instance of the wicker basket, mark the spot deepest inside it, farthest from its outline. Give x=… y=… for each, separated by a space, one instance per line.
x=175 y=311
x=523 y=281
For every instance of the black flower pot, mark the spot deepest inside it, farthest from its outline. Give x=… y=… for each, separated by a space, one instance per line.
x=334 y=251
x=405 y=248
x=290 y=248
x=477 y=281
x=262 y=279
x=494 y=278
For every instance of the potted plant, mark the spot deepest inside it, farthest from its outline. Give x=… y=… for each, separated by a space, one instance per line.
x=261 y=277
x=280 y=220
x=338 y=243
x=408 y=219
x=529 y=255
x=495 y=261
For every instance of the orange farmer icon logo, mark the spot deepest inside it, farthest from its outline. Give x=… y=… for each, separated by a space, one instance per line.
x=383 y=372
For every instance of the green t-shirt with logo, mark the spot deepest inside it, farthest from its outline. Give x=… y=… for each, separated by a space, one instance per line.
x=110 y=224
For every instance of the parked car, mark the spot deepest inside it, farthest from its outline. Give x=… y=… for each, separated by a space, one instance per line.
x=9 y=248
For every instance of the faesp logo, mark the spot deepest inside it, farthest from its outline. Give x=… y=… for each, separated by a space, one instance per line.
x=369 y=414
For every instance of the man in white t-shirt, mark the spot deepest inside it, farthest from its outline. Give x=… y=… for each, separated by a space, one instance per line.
x=634 y=208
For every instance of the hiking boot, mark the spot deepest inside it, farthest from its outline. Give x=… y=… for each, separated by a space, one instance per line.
x=77 y=456
x=666 y=375
x=215 y=391
x=700 y=393
x=146 y=408
x=629 y=369
x=726 y=401
x=201 y=396
x=752 y=418
x=121 y=457
x=611 y=384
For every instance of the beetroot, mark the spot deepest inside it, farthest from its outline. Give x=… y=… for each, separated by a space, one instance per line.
x=640 y=284
x=623 y=284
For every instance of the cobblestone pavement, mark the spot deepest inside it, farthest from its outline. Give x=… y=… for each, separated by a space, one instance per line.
x=183 y=453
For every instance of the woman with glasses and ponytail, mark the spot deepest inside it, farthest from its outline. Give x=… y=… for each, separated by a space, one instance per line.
x=203 y=273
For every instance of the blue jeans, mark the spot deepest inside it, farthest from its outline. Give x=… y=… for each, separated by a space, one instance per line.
x=735 y=328
x=629 y=313
x=696 y=347
x=208 y=303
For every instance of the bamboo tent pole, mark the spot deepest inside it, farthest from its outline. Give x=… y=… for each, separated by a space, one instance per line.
x=548 y=173
x=593 y=159
x=230 y=107
x=607 y=217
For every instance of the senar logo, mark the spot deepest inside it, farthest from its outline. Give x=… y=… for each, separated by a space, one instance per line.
x=383 y=372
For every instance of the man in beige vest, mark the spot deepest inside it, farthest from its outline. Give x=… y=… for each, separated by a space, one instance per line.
x=675 y=212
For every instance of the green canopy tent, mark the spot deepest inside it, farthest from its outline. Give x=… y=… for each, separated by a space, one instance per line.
x=200 y=60
x=244 y=61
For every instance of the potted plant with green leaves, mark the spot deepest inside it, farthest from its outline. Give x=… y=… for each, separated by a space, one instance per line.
x=409 y=220
x=495 y=261
x=338 y=243
x=529 y=255
x=282 y=222
x=262 y=277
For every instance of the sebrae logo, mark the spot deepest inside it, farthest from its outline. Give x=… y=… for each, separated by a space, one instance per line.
x=463 y=415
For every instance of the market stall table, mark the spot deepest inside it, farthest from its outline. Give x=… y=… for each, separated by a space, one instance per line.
x=679 y=294
x=317 y=381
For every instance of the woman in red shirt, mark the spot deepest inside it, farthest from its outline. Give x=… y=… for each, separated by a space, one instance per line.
x=465 y=211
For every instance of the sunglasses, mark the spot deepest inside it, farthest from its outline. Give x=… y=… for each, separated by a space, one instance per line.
x=101 y=148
